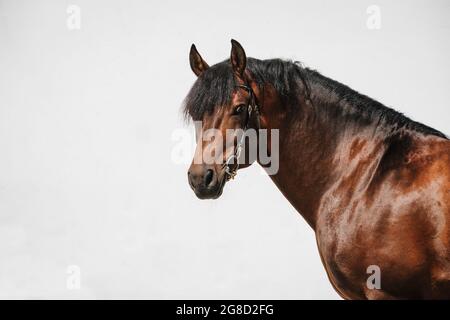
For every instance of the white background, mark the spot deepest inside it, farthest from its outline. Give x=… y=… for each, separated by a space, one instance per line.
x=86 y=123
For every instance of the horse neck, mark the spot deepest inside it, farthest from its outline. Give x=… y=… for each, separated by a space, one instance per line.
x=314 y=152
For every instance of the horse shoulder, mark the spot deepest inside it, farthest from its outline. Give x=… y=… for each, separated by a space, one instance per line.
x=401 y=224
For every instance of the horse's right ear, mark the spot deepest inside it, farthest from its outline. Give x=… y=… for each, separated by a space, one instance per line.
x=198 y=65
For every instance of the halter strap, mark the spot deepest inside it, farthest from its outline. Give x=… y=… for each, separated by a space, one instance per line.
x=251 y=107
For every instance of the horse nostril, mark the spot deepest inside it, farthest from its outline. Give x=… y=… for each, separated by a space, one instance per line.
x=191 y=182
x=208 y=177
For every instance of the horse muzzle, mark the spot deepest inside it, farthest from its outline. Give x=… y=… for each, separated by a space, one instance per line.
x=205 y=181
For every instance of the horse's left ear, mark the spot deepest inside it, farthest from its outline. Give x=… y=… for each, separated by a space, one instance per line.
x=238 y=58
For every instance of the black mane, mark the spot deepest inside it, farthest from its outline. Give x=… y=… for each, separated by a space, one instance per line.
x=292 y=81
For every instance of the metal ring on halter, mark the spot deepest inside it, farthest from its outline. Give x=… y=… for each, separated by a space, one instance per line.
x=231 y=173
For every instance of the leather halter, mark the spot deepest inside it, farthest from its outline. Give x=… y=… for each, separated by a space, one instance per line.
x=252 y=107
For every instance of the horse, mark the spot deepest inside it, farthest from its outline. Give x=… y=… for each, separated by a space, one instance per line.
x=373 y=184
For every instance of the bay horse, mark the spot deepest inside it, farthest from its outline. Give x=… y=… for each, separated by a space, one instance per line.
x=372 y=184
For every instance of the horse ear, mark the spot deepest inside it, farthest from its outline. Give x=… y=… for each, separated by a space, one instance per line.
x=238 y=58
x=198 y=65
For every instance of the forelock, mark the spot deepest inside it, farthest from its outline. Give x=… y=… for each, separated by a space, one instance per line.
x=213 y=88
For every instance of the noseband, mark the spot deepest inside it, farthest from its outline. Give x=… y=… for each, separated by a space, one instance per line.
x=252 y=107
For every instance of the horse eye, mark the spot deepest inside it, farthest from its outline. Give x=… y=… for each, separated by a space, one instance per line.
x=238 y=109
